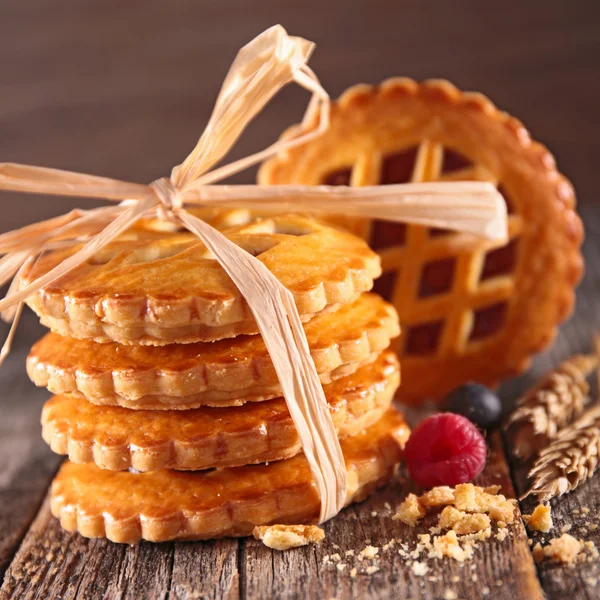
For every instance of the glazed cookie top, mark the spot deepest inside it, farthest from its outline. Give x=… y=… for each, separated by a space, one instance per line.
x=470 y=310
x=223 y=373
x=171 y=290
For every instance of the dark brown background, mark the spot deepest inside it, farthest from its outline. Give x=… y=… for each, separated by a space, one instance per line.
x=124 y=88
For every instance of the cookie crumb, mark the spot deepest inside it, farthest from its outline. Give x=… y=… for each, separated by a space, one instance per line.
x=447 y=545
x=450 y=594
x=411 y=511
x=564 y=549
x=470 y=498
x=369 y=553
x=419 y=568
x=438 y=496
x=353 y=572
x=540 y=519
x=340 y=566
x=461 y=522
x=372 y=569
x=284 y=537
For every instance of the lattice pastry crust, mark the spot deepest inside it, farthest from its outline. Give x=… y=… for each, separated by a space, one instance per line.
x=117 y=438
x=172 y=291
x=167 y=505
x=223 y=373
x=469 y=311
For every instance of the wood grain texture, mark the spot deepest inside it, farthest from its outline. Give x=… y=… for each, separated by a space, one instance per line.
x=52 y=563
x=26 y=467
x=123 y=90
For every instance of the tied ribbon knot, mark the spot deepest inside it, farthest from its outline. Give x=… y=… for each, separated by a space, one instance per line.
x=170 y=198
x=261 y=68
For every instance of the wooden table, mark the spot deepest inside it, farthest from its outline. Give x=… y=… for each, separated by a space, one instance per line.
x=123 y=89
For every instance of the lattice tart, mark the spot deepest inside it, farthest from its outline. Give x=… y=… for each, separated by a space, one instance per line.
x=224 y=373
x=469 y=310
x=171 y=290
x=118 y=438
x=168 y=505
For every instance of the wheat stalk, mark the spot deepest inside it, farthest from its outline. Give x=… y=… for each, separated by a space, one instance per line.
x=553 y=403
x=569 y=460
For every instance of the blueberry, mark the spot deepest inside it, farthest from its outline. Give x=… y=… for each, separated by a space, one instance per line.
x=476 y=402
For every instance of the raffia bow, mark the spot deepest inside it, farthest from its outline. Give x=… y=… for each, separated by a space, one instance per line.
x=259 y=71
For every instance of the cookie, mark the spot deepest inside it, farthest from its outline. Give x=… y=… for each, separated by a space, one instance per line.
x=168 y=505
x=171 y=290
x=223 y=373
x=469 y=310
x=118 y=438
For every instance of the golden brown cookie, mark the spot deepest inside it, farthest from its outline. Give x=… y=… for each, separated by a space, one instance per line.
x=171 y=290
x=223 y=373
x=118 y=438
x=469 y=310
x=168 y=505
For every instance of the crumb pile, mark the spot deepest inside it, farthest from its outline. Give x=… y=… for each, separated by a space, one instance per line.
x=467 y=517
x=566 y=549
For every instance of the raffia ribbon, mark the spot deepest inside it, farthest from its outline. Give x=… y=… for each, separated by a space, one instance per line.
x=261 y=68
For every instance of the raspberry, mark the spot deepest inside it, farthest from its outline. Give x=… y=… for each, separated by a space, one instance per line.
x=445 y=449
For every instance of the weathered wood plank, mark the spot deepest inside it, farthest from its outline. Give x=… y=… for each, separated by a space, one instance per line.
x=582 y=581
x=505 y=568
x=26 y=464
x=53 y=563
x=208 y=570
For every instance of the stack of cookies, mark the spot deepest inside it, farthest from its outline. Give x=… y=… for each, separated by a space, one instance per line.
x=167 y=403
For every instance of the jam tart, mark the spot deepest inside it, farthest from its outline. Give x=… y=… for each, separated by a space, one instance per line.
x=470 y=310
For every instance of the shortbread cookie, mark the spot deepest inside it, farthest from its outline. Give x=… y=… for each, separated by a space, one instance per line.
x=469 y=310
x=118 y=438
x=223 y=373
x=171 y=290
x=169 y=505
